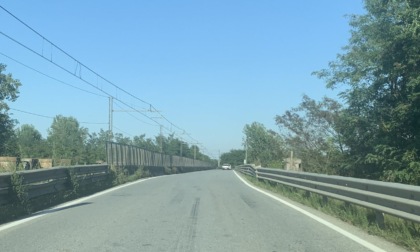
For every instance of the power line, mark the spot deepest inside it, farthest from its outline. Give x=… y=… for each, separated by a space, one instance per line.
x=71 y=57
x=123 y=131
x=136 y=117
x=83 y=80
x=53 y=78
x=49 y=117
x=79 y=66
x=66 y=70
x=30 y=113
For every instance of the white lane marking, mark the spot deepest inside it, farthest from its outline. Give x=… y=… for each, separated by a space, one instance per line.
x=67 y=204
x=320 y=220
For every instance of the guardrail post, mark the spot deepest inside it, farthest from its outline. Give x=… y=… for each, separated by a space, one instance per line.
x=324 y=200
x=256 y=172
x=380 y=220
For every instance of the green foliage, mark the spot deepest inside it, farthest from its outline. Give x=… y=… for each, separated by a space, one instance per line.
x=380 y=66
x=30 y=142
x=264 y=146
x=233 y=157
x=9 y=91
x=276 y=164
x=148 y=144
x=120 y=175
x=121 y=139
x=95 y=147
x=73 y=182
x=169 y=145
x=19 y=194
x=9 y=88
x=310 y=131
x=67 y=139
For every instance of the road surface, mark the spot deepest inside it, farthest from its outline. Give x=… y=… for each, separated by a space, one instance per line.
x=199 y=211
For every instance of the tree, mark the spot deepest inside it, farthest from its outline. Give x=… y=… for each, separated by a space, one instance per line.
x=9 y=91
x=381 y=67
x=169 y=145
x=95 y=147
x=145 y=143
x=264 y=146
x=310 y=130
x=67 y=139
x=121 y=139
x=30 y=142
x=233 y=157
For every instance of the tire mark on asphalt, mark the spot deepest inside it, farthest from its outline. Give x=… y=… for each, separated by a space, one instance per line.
x=192 y=227
x=178 y=198
x=194 y=209
x=188 y=233
x=250 y=202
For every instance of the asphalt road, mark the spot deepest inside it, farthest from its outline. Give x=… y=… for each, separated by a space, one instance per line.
x=201 y=211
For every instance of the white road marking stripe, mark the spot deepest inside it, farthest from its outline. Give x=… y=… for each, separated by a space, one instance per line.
x=320 y=220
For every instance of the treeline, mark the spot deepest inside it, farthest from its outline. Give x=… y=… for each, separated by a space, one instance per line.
x=374 y=132
x=68 y=140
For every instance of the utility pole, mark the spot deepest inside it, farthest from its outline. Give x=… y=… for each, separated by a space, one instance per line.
x=291 y=161
x=246 y=152
x=160 y=138
x=111 y=110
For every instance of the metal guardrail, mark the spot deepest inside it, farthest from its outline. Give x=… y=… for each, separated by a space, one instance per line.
x=399 y=200
x=248 y=170
x=51 y=181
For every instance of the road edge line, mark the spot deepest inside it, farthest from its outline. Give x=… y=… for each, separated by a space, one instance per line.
x=47 y=211
x=347 y=234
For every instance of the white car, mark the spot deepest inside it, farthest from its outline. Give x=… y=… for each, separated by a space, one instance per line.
x=226 y=167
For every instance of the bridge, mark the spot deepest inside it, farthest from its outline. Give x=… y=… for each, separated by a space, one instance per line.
x=212 y=210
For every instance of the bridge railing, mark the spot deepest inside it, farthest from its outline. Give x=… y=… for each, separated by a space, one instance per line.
x=396 y=199
x=129 y=155
x=41 y=182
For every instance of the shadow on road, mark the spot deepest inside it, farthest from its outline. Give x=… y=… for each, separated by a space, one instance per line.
x=61 y=208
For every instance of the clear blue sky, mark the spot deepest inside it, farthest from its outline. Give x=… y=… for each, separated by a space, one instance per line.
x=210 y=67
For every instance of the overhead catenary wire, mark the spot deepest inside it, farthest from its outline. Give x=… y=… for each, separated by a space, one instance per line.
x=125 y=132
x=71 y=73
x=68 y=55
x=49 y=117
x=135 y=116
x=50 y=77
x=79 y=66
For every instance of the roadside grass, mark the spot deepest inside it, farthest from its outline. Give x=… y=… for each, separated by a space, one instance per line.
x=4 y=169
x=11 y=168
x=401 y=232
